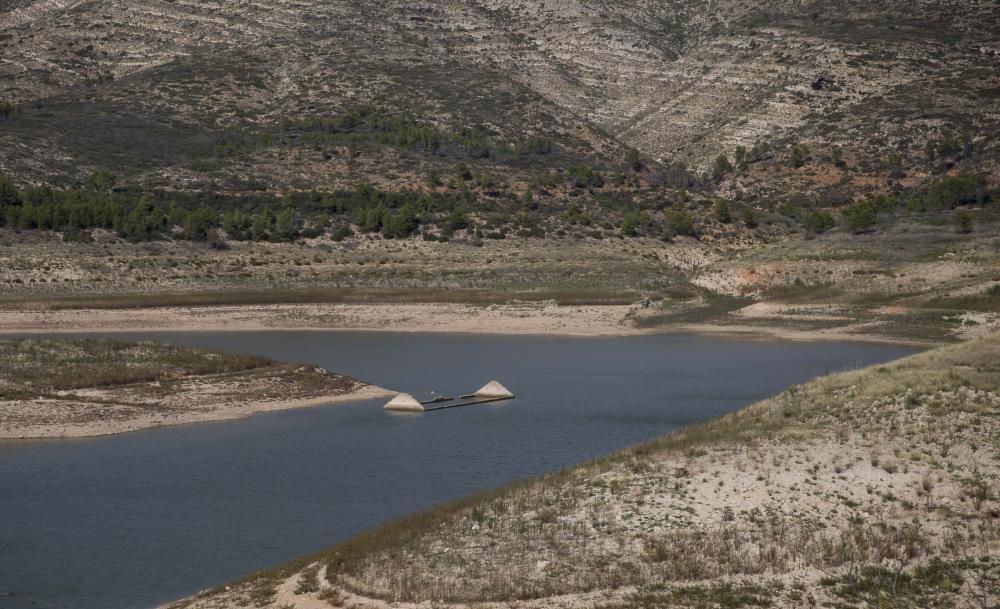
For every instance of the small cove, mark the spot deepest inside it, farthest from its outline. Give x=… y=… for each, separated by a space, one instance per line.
x=130 y=521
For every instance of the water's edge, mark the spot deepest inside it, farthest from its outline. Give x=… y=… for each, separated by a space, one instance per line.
x=129 y=522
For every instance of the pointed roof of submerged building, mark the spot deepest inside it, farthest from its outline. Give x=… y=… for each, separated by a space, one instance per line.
x=493 y=389
x=405 y=402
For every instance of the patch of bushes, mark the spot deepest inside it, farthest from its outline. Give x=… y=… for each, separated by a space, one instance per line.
x=635 y=220
x=952 y=191
x=680 y=222
x=818 y=222
x=723 y=212
x=882 y=587
x=860 y=216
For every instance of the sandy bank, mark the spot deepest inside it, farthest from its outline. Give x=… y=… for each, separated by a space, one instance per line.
x=79 y=417
x=528 y=318
x=512 y=319
x=771 y=332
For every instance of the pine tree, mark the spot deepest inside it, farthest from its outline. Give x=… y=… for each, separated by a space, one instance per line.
x=285 y=226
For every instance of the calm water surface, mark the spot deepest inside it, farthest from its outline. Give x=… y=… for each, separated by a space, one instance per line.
x=131 y=521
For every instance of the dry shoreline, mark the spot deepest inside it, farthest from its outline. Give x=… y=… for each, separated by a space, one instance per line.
x=529 y=319
x=788 y=334
x=209 y=413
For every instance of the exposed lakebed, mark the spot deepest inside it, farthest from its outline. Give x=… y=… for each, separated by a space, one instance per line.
x=130 y=521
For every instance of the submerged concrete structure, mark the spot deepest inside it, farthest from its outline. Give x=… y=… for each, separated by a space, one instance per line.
x=404 y=402
x=494 y=390
x=490 y=392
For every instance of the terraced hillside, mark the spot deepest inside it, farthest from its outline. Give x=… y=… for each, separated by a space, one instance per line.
x=153 y=85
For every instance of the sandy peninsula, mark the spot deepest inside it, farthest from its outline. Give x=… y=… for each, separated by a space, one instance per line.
x=85 y=388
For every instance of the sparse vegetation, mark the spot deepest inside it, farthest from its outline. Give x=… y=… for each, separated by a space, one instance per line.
x=31 y=367
x=781 y=462
x=85 y=387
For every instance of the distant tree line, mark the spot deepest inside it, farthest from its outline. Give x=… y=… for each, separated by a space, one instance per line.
x=100 y=203
x=862 y=215
x=144 y=216
x=367 y=124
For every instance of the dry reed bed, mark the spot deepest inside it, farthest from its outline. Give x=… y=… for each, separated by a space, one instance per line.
x=32 y=367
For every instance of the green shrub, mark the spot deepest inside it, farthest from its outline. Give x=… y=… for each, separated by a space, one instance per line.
x=9 y=194
x=860 y=216
x=788 y=210
x=260 y=230
x=680 y=222
x=401 y=224
x=634 y=220
x=197 y=224
x=723 y=213
x=818 y=222
x=456 y=220
x=581 y=176
x=101 y=181
x=286 y=226
x=950 y=143
x=634 y=160
x=370 y=219
x=340 y=233
x=963 y=221
x=953 y=191
x=797 y=156
x=722 y=166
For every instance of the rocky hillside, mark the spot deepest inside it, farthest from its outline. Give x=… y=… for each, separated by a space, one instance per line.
x=825 y=95
x=520 y=141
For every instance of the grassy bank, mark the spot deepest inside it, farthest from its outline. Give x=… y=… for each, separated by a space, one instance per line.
x=87 y=387
x=875 y=487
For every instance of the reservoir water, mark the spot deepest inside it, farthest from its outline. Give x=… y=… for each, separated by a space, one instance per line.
x=131 y=521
